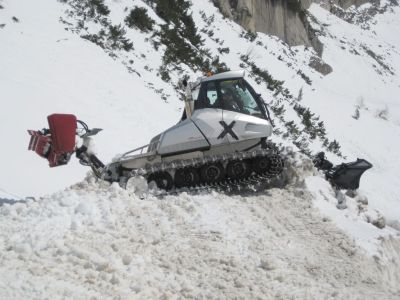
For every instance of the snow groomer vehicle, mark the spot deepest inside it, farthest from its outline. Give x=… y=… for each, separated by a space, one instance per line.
x=222 y=138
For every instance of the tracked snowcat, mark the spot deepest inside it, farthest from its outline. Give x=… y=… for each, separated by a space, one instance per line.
x=222 y=137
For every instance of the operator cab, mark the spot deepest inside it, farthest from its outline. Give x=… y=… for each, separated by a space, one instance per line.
x=220 y=111
x=230 y=92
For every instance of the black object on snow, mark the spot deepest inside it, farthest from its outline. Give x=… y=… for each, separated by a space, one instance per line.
x=343 y=176
x=321 y=163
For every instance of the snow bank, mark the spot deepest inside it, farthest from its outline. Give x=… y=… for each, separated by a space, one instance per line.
x=98 y=240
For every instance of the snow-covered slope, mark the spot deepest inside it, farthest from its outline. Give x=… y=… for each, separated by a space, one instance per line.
x=45 y=70
x=36 y=82
x=93 y=239
x=359 y=80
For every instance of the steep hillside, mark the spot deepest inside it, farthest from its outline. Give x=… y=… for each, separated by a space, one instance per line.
x=46 y=69
x=126 y=82
x=117 y=65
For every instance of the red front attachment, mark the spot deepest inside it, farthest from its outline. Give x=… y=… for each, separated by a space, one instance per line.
x=39 y=143
x=58 y=144
x=62 y=131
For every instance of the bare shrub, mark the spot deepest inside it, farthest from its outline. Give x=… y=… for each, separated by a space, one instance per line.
x=382 y=113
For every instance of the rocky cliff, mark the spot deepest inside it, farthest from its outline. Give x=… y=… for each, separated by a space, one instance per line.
x=283 y=18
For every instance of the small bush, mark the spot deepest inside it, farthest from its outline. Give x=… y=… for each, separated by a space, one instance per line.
x=223 y=50
x=102 y=9
x=98 y=6
x=116 y=38
x=382 y=113
x=94 y=38
x=113 y=39
x=248 y=35
x=334 y=147
x=164 y=74
x=300 y=95
x=356 y=115
x=138 y=18
x=305 y=77
x=272 y=84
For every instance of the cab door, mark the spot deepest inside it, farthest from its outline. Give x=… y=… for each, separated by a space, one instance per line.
x=242 y=118
x=207 y=115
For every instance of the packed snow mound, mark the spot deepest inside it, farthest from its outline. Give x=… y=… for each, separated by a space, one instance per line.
x=98 y=240
x=55 y=70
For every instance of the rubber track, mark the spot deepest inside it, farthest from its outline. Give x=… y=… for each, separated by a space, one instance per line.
x=226 y=185
x=250 y=184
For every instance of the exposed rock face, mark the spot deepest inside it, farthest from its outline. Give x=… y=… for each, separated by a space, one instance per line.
x=276 y=17
x=317 y=64
x=283 y=18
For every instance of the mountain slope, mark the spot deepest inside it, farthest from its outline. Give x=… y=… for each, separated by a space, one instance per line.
x=45 y=70
x=365 y=65
x=98 y=240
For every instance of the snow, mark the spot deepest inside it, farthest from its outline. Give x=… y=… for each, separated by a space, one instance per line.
x=98 y=240
x=38 y=82
x=78 y=238
x=355 y=219
x=353 y=79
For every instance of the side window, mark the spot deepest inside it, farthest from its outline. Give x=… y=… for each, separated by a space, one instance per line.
x=212 y=93
x=207 y=97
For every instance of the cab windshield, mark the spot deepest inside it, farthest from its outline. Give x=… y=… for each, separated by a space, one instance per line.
x=233 y=95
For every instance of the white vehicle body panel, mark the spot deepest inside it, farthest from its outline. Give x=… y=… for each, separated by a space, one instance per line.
x=182 y=137
x=246 y=127
x=208 y=121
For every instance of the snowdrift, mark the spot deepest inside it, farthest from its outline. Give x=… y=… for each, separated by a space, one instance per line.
x=98 y=240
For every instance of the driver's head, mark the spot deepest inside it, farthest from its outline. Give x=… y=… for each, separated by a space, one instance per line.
x=227 y=95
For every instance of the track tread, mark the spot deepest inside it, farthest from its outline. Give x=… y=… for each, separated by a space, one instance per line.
x=228 y=184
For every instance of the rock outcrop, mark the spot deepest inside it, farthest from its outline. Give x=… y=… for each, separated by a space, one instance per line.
x=282 y=18
x=277 y=17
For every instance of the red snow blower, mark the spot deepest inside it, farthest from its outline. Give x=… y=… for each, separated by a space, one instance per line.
x=57 y=143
